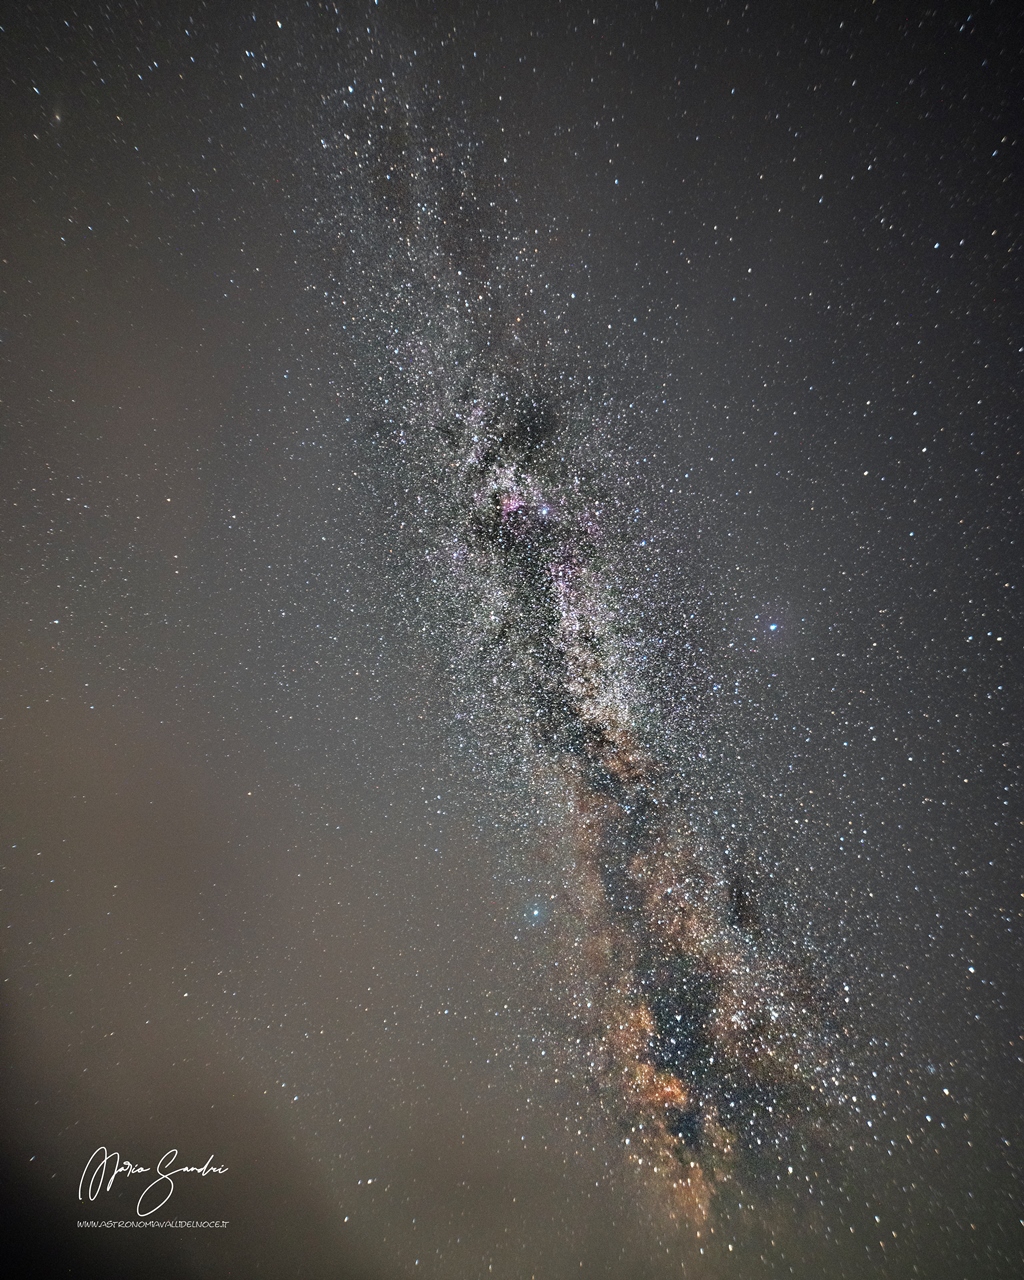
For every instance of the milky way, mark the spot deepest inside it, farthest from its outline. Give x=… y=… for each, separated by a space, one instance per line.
x=704 y=1044
x=706 y=1050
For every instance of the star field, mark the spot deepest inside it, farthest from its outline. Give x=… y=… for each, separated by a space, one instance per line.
x=511 y=634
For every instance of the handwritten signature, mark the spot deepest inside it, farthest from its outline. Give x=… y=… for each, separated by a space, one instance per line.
x=103 y=1166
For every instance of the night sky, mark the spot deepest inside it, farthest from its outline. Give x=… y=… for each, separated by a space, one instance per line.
x=469 y=474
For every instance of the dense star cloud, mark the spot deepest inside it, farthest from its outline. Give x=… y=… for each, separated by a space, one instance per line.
x=511 y=636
